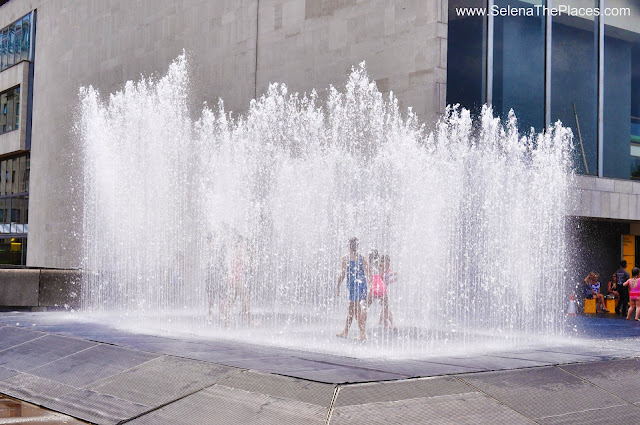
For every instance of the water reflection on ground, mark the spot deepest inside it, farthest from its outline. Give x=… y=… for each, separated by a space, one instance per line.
x=14 y=411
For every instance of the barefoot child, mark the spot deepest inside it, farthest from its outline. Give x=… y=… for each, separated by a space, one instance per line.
x=379 y=281
x=387 y=277
x=356 y=269
x=634 y=293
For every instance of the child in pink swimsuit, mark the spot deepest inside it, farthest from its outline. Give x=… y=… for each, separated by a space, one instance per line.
x=378 y=288
x=634 y=293
x=379 y=282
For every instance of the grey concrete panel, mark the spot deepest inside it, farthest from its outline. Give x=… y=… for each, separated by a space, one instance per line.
x=162 y=380
x=400 y=390
x=228 y=406
x=620 y=377
x=10 y=336
x=60 y=288
x=19 y=287
x=95 y=407
x=91 y=365
x=34 y=389
x=281 y=387
x=40 y=351
x=468 y=408
x=539 y=392
x=624 y=414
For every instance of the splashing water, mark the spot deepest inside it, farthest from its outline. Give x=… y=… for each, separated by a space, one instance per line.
x=235 y=226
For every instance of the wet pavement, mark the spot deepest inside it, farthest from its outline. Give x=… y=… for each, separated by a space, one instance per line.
x=105 y=375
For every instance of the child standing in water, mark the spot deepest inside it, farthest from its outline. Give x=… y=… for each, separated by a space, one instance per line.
x=356 y=269
x=379 y=281
x=237 y=284
x=634 y=293
x=386 y=317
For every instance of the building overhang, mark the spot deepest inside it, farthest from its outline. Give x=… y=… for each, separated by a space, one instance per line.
x=601 y=197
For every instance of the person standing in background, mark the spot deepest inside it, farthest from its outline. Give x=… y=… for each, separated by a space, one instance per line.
x=622 y=276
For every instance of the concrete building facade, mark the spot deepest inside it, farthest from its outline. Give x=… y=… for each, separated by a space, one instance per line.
x=236 y=48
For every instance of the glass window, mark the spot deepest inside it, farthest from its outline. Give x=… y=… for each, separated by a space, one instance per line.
x=5 y=46
x=518 y=64
x=621 y=120
x=26 y=34
x=11 y=41
x=466 y=57
x=574 y=90
x=18 y=40
x=13 y=250
x=14 y=209
x=15 y=42
x=10 y=104
x=15 y=175
x=5 y=206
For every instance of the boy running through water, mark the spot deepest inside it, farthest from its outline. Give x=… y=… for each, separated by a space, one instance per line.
x=356 y=269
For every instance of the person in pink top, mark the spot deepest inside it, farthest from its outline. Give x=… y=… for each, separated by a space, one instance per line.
x=379 y=282
x=634 y=293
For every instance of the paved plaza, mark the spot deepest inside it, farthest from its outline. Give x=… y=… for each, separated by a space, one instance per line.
x=104 y=375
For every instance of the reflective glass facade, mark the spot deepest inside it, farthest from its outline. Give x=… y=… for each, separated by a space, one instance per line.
x=580 y=68
x=518 y=73
x=466 y=58
x=621 y=111
x=574 y=83
x=16 y=42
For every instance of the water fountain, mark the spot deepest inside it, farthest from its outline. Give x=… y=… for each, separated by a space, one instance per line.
x=472 y=215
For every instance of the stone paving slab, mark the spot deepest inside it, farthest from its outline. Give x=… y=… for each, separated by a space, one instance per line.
x=624 y=414
x=489 y=363
x=376 y=392
x=91 y=365
x=467 y=408
x=619 y=377
x=548 y=357
x=10 y=336
x=96 y=407
x=220 y=405
x=281 y=387
x=162 y=380
x=40 y=351
x=34 y=388
x=541 y=392
x=7 y=373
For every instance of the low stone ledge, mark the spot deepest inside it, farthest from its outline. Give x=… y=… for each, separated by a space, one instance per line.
x=60 y=288
x=19 y=287
x=37 y=288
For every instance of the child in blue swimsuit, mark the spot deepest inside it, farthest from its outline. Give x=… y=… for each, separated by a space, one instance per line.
x=356 y=269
